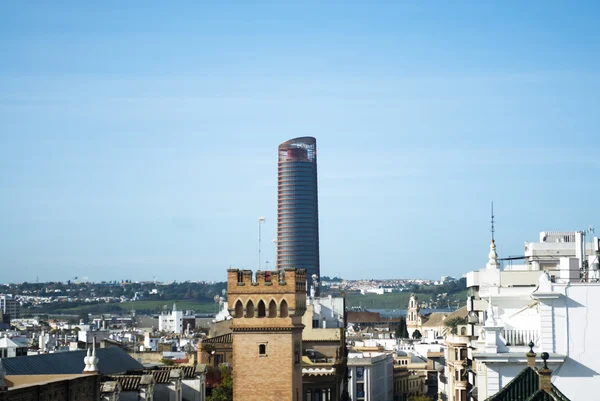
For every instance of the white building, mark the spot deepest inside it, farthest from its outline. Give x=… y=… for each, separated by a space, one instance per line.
x=88 y=336
x=371 y=376
x=328 y=312
x=10 y=348
x=47 y=342
x=550 y=302
x=171 y=322
x=151 y=341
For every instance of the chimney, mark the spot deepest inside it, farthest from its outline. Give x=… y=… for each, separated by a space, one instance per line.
x=545 y=374
x=531 y=356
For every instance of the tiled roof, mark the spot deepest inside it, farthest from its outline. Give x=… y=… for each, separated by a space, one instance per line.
x=222 y=339
x=160 y=376
x=461 y=312
x=435 y=319
x=526 y=386
x=362 y=317
x=128 y=383
x=111 y=360
x=187 y=371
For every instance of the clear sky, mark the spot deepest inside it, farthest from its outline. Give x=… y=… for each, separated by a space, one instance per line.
x=139 y=139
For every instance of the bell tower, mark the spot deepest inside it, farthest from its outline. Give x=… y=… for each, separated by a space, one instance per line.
x=413 y=319
x=267 y=333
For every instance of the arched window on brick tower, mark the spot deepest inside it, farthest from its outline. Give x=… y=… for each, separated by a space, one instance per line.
x=283 y=309
x=239 y=309
x=249 y=309
x=272 y=308
x=261 y=309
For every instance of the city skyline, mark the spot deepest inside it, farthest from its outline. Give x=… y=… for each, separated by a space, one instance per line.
x=139 y=141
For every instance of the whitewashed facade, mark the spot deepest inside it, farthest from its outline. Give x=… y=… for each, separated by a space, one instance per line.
x=171 y=322
x=371 y=376
x=550 y=301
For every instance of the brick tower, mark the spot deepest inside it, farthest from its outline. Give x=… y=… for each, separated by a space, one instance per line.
x=267 y=333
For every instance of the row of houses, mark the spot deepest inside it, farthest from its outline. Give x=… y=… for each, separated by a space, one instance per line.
x=108 y=374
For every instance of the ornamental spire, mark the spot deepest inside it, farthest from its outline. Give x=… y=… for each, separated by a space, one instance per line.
x=493 y=256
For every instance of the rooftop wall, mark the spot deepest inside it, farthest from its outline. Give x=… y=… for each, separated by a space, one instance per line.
x=278 y=281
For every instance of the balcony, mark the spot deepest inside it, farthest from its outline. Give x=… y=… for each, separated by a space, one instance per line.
x=519 y=337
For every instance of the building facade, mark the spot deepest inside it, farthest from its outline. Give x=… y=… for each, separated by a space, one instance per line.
x=267 y=328
x=298 y=207
x=324 y=376
x=371 y=376
x=171 y=322
x=546 y=304
x=10 y=306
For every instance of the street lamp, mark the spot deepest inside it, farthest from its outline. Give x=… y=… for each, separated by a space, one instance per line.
x=260 y=220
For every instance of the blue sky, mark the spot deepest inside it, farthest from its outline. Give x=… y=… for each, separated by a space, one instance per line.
x=138 y=139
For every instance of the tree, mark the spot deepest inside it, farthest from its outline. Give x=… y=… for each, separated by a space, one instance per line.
x=224 y=390
x=419 y=398
x=401 y=330
x=453 y=322
x=417 y=335
x=209 y=348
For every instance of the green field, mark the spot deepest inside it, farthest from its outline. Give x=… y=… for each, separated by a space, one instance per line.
x=394 y=300
x=141 y=307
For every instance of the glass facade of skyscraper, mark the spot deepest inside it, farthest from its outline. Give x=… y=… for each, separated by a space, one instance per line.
x=298 y=207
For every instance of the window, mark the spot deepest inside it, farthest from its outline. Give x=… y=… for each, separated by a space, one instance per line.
x=360 y=390
x=283 y=309
x=272 y=309
x=262 y=349
x=250 y=309
x=239 y=309
x=315 y=324
x=261 y=309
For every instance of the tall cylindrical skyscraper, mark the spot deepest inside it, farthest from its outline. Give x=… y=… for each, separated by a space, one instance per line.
x=298 y=207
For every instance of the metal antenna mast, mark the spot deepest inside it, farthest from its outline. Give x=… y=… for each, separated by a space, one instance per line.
x=493 y=230
x=260 y=220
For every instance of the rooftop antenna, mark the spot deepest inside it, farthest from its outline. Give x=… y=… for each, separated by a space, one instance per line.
x=260 y=220
x=493 y=230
